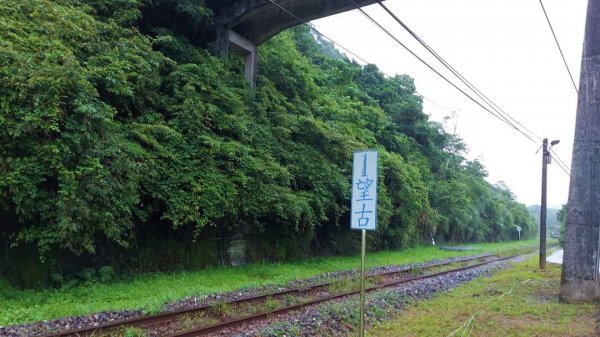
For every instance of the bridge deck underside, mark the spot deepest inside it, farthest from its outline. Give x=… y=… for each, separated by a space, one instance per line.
x=259 y=20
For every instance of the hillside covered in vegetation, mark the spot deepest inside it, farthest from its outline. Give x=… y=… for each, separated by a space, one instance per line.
x=125 y=142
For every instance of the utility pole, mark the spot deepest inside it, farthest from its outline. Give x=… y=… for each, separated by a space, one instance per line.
x=579 y=281
x=545 y=160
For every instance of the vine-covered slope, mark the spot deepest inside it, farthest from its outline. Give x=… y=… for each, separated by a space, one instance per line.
x=119 y=130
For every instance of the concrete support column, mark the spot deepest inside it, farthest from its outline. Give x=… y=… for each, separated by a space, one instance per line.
x=580 y=281
x=251 y=62
x=222 y=40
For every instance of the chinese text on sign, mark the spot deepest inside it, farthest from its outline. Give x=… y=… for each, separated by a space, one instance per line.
x=364 y=190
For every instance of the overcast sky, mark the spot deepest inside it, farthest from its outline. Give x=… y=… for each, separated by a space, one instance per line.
x=505 y=48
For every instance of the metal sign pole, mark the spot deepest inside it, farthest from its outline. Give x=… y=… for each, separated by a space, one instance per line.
x=362 y=283
x=363 y=210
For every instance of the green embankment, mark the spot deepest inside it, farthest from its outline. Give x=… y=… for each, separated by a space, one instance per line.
x=150 y=291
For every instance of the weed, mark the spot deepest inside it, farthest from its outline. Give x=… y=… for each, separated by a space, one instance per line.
x=375 y=280
x=250 y=309
x=294 y=330
x=221 y=309
x=106 y=273
x=155 y=308
x=134 y=332
x=344 y=285
x=416 y=270
x=283 y=329
x=378 y=312
x=193 y=320
x=345 y=311
x=289 y=300
x=187 y=323
x=270 y=304
x=371 y=281
x=392 y=297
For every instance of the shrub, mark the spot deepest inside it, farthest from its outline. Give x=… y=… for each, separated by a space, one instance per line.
x=107 y=274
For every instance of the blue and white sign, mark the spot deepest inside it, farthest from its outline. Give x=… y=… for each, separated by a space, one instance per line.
x=364 y=190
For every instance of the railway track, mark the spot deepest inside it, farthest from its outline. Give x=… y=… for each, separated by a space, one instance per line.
x=214 y=317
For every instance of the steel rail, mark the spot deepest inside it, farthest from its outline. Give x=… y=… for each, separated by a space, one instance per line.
x=166 y=316
x=265 y=315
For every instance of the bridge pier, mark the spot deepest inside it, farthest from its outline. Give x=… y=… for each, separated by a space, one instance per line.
x=222 y=40
x=251 y=61
x=245 y=24
x=226 y=39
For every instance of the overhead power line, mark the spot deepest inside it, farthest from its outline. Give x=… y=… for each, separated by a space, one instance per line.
x=437 y=104
x=559 y=48
x=355 y=55
x=392 y=77
x=505 y=116
x=565 y=170
x=557 y=157
x=471 y=86
x=498 y=116
x=561 y=163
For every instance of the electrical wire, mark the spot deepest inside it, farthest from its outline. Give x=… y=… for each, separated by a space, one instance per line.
x=350 y=52
x=559 y=48
x=437 y=104
x=478 y=92
x=564 y=169
x=558 y=158
x=501 y=118
x=561 y=163
x=391 y=77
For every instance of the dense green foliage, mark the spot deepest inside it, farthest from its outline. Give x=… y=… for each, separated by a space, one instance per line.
x=552 y=217
x=118 y=131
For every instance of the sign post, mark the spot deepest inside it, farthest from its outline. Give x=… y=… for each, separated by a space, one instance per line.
x=363 y=210
x=362 y=282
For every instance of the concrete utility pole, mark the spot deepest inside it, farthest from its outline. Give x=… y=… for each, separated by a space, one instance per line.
x=545 y=160
x=579 y=282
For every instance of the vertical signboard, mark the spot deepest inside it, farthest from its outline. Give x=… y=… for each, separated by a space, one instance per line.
x=363 y=210
x=364 y=190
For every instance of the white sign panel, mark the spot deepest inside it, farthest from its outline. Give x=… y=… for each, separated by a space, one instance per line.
x=364 y=190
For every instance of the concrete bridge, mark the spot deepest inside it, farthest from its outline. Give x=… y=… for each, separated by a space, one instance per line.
x=245 y=24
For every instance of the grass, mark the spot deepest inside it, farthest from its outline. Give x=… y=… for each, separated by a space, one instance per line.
x=221 y=309
x=270 y=305
x=134 y=332
x=193 y=320
x=521 y=301
x=124 y=332
x=149 y=292
x=344 y=285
